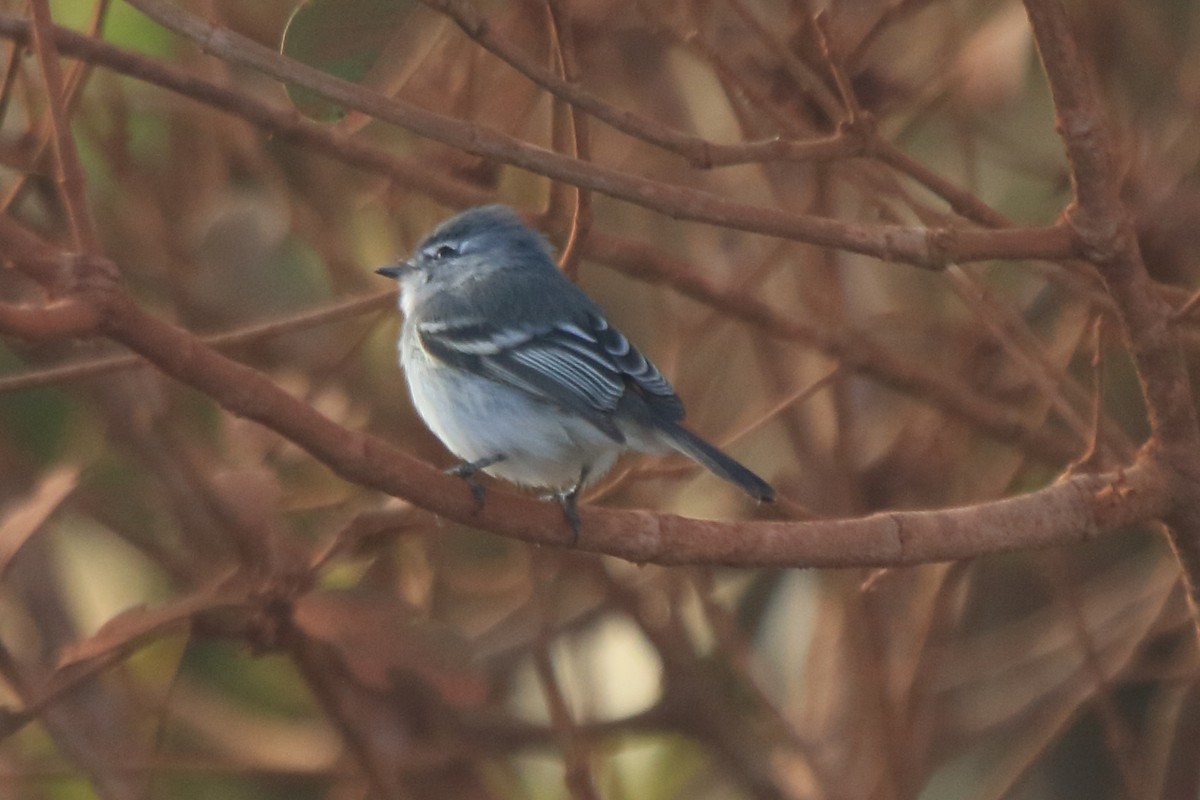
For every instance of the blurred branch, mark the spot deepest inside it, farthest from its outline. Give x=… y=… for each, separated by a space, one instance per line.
x=32 y=255
x=850 y=105
x=800 y=74
x=73 y=89
x=1117 y=735
x=70 y=172
x=699 y=152
x=696 y=693
x=84 y=660
x=856 y=349
x=578 y=774
x=580 y=136
x=1072 y=510
x=568 y=117
x=425 y=660
x=368 y=728
x=305 y=320
x=286 y=124
x=1056 y=385
x=923 y=247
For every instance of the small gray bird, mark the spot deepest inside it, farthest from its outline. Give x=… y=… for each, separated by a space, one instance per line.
x=518 y=372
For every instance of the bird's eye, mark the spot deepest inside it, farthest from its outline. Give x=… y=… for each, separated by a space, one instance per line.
x=442 y=251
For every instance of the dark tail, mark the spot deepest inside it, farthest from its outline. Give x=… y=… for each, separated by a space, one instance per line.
x=717 y=462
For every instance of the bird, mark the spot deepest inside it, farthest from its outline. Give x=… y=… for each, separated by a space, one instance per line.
x=521 y=375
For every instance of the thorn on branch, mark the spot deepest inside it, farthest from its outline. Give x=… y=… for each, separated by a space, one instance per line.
x=1112 y=495
x=94 y=279
x=860 y=134
x=699 y=154
x=939 y=244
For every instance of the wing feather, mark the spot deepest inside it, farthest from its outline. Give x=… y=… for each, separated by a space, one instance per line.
x=584 y=365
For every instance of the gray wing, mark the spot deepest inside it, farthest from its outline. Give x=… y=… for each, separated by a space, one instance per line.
x=585 y=365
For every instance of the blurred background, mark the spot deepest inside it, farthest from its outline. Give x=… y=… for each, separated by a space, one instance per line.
x=192 y=607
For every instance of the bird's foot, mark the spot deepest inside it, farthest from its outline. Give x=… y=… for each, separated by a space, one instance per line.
x=569 y=500
x=468 y=471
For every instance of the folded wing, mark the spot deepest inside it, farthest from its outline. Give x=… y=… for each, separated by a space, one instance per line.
x=585 y=365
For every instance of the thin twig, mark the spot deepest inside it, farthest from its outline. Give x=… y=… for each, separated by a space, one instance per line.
x=581 y=216
x=70 y=171
x=930 y=249
x=251 y=333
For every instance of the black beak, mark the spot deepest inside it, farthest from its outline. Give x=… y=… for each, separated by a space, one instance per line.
x=393 y=271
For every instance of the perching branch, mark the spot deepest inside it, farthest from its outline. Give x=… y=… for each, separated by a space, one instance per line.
x=1073 y=510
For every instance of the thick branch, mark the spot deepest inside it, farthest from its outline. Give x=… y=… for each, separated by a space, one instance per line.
x=1069 y=511
x=78 y=370
x=1104 y=229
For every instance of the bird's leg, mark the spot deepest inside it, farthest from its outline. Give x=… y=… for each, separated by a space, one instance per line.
x=467 y=470
x=568 y=501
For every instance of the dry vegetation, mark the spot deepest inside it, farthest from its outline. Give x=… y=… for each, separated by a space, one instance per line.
x=925 y=264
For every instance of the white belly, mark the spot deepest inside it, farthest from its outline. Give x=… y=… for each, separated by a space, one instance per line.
x=480 y=419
